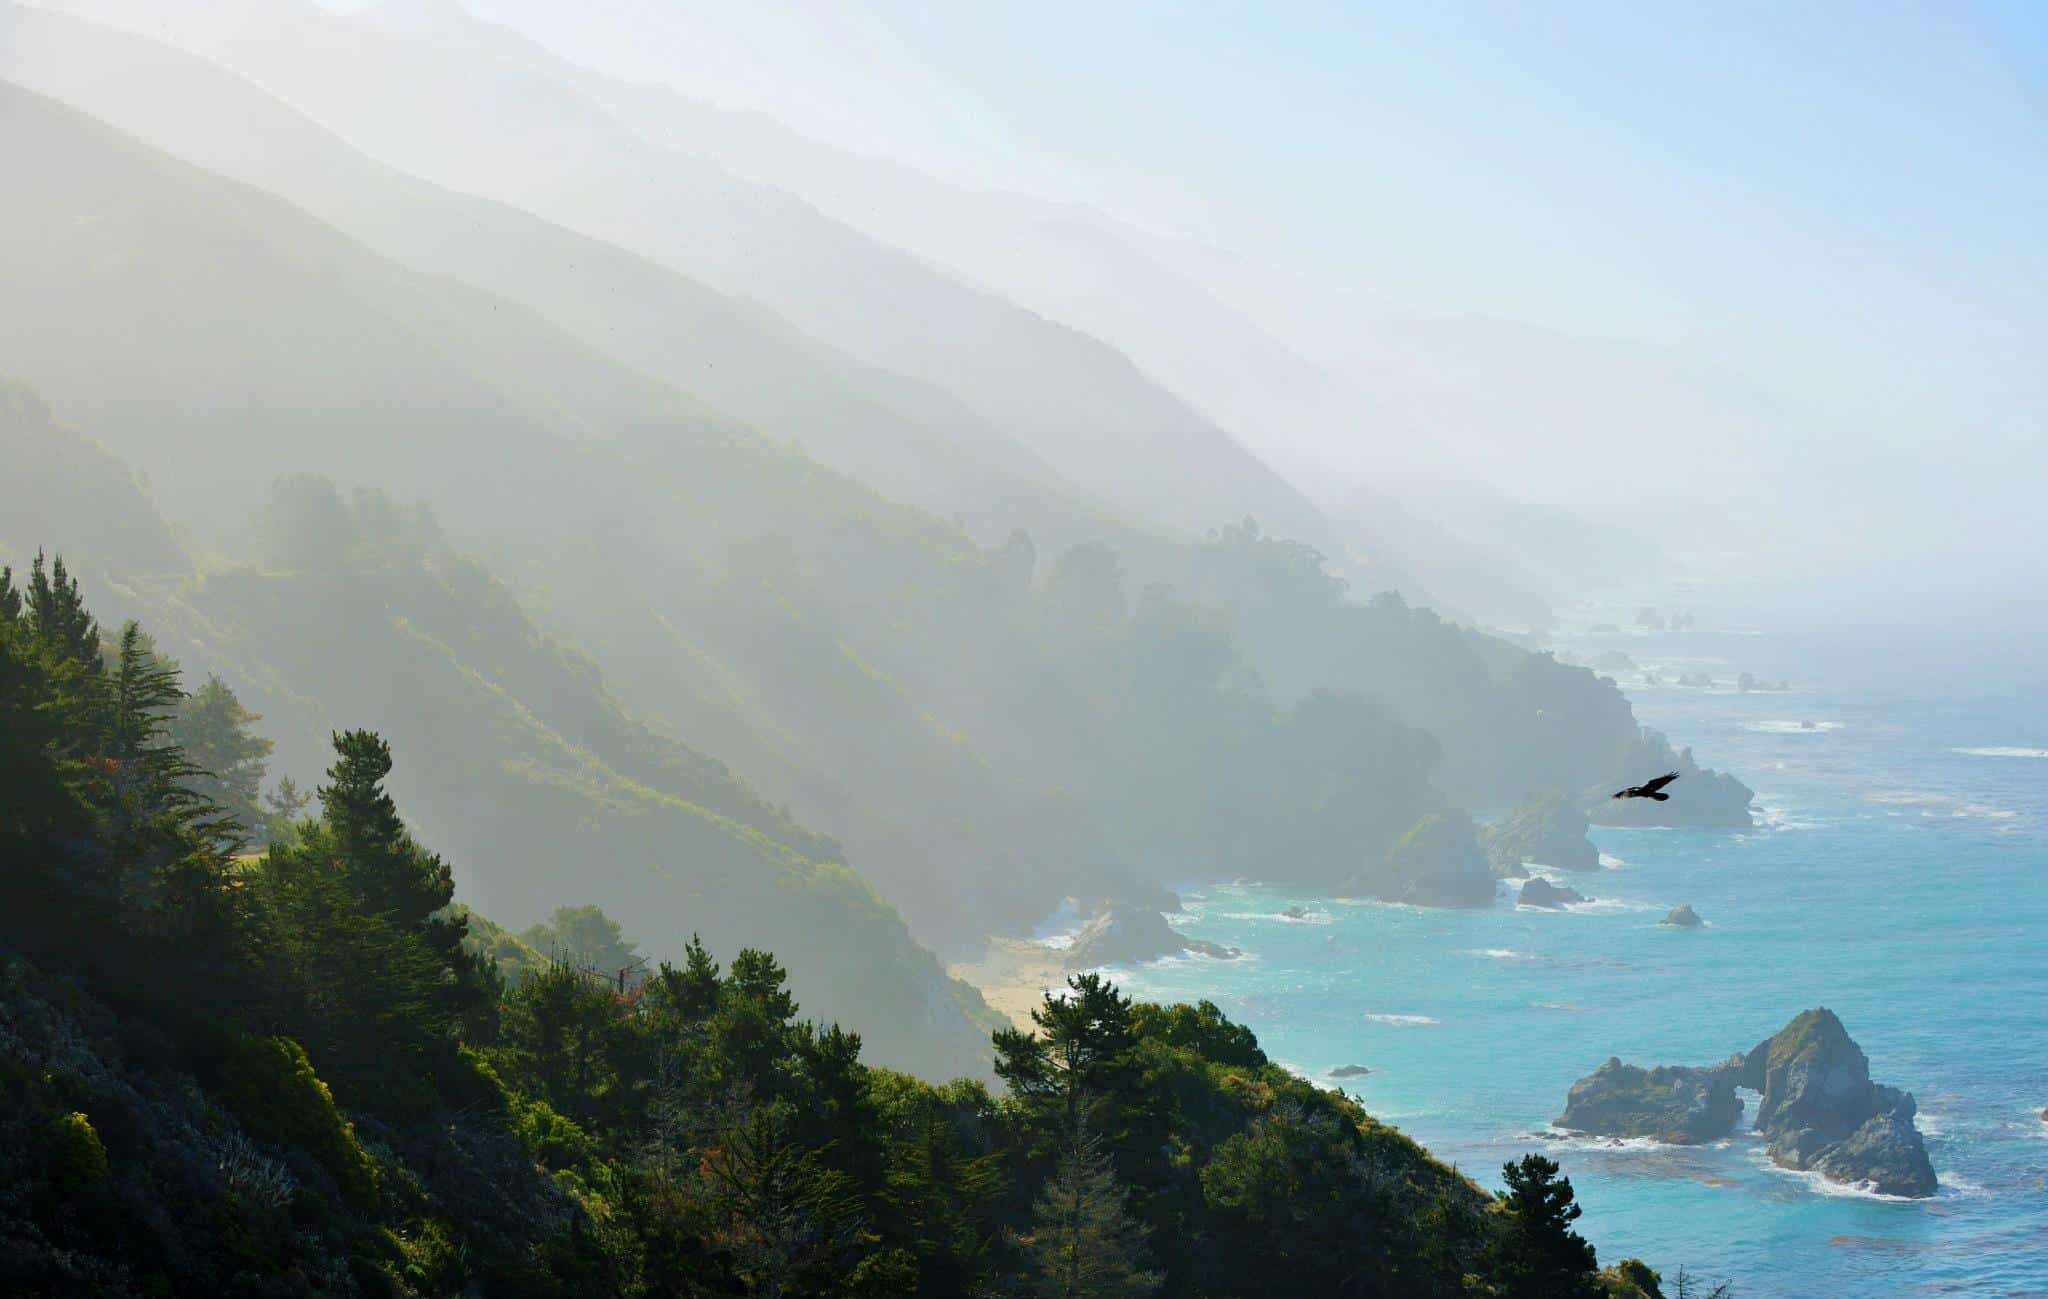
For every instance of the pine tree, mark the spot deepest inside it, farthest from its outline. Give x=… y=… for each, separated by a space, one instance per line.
x=1078 y=1053
x=57 y=615
x=1083 y=1242
x=43 y=815
x=164 y=841
x=10 y=598
x=389 y=872
x=1538 y=1255
x=213 y=728
x=788 y=1223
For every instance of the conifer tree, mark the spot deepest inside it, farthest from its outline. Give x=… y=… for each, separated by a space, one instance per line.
x=1538 y=1255
x=214 y=730
x=390 y=874
x=1083 y=1242
x=10 y=598
x=57 y=613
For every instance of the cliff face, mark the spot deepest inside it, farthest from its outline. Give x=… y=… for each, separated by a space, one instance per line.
x=1703 y=799
x=1682 y=1105
x=1548 y=829
x=1820 y=1111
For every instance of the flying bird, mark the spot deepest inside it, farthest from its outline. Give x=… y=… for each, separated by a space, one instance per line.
x=1650 y=788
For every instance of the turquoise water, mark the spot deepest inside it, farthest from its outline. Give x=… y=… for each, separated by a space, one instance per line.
x=1898 y=879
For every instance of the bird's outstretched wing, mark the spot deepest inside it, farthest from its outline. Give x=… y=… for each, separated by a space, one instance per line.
x=1652 y=786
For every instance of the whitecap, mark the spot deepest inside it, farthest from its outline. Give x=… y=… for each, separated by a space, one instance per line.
x=1608 y=861
x=1778 y=818
x=2002 y=751
x=1403 y=1021
x=1305 y=918
x=1567 y=1139
x=1782 y=726
x=1982 y=811
x=1821 y=1184
x=1558 y=1005
x=1904 y=797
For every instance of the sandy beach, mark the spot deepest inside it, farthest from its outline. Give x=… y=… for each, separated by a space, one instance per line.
x=1013 y=975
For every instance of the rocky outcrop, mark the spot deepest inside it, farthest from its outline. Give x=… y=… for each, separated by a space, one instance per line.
x=1682 y=917
x=1350 y=1071
x=1681 y=1105
x=1131 y=935
x=1549 y=829
x=1820 y=1112
x=1540 y=892
x=1702 y=799
x=1438 y=863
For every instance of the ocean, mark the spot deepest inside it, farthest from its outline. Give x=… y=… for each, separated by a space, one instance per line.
x=1899 y=876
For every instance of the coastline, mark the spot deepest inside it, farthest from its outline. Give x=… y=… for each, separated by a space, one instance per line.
x=1012 y=975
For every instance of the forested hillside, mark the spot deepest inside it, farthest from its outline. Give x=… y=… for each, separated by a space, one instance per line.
x=298 y=1071
x=522 y=764
x=986 y=729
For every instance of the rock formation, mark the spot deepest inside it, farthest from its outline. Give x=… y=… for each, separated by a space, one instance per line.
x=1682 y=1105
x=1438 y=863
x=1820 y=1112
x=1540 y=892
x=1703 y=799
x=1350 y=1071
x=1548 y=828
x=1683 y=916
x=1129 y=935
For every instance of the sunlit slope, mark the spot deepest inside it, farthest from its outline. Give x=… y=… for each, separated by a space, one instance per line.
x=520 y=767
x=910 y=439
x=490 y=127
x=249 y=341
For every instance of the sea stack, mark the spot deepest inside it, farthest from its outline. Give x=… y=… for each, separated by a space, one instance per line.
x=1131 y=935
x=1820 y=1112
x=1683 y=917
x=1540 y=892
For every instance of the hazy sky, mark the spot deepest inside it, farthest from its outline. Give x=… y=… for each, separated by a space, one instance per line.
x=1845 y=200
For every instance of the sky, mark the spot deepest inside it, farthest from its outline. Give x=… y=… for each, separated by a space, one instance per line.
x=1842 y=201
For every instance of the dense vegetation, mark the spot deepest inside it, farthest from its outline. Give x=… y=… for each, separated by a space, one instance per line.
x=961 y=716
x=303 y=1070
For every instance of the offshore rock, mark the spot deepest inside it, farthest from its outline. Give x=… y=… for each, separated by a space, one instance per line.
x=1540 y=892
x=1683 y=1105
x=1684 y=917
x=1132 y=935
x=1548 y=829
x=1820 y=1112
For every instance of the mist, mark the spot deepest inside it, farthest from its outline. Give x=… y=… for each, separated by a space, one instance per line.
x=847 y=649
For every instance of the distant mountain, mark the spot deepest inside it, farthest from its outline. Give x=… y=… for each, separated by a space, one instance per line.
x=987 y=730
x=516 y=762
x=913 y=440
x=490 y=127
x=1432 y=417
x=67 y=492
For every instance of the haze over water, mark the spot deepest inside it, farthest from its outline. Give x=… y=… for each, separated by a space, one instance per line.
x=1896 y=878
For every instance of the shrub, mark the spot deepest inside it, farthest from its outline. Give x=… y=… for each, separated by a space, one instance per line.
x=270 y=1085
x=78 y=1160
x=555 y=1141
